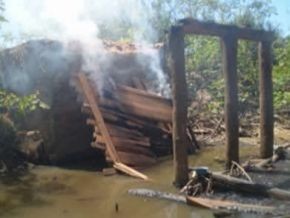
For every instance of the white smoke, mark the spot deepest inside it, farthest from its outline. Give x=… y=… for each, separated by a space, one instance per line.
x=80 y=20
x=74 y=19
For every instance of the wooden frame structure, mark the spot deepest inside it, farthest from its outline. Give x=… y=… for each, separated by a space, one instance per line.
x=229 y=36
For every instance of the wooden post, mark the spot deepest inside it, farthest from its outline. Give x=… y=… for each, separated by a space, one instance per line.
x=179 y=114
x=229 y=46
x=266 y=99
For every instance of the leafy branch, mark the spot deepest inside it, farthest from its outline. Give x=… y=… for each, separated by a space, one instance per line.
x=12 y=103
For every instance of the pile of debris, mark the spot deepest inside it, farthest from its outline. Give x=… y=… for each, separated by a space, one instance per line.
x=131 y=125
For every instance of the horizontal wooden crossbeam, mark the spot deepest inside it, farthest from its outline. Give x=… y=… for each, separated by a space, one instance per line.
x=192 y=26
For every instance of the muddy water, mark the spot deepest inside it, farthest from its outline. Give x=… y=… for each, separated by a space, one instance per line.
x=53 y=192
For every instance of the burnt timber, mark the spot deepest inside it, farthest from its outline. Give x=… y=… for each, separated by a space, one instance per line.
x=229 y=36
x=131 y=126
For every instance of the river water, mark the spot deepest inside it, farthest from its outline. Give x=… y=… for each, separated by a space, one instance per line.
x=51 y=192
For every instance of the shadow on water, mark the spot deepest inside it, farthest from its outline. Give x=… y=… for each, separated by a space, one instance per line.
x=284 y=184
x=273 y=173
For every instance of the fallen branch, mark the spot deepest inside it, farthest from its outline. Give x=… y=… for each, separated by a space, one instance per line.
x=214 y=204
x=244 y=186
x=280 y=153
x=234 y=163
x=227 y=205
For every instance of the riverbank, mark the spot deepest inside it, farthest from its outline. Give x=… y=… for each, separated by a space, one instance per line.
x=61 y=193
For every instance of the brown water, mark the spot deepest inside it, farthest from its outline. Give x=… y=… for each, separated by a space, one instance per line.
x=50 y=192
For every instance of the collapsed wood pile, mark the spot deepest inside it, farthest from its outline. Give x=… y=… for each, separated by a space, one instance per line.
x=134 y=123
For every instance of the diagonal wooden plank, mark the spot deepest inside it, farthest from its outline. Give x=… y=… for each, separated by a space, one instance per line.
x=130 y=171
x=89 y=95
x=88 y=92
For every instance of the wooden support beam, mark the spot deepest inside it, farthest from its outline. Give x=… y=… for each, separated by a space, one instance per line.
x=179 y=114
x=266 y=100
x=191 y=26
x=229 y=47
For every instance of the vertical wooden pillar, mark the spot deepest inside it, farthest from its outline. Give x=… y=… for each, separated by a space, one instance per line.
x=229 y=47
x=266 y=99
x=179 y=114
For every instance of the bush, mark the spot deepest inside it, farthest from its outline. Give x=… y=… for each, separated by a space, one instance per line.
x=7 y=133
x=9 y=156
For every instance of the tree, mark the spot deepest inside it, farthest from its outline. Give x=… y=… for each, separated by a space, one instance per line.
x=203 y=55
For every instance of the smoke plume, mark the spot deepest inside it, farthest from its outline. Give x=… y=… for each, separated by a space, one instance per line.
x=81 y=20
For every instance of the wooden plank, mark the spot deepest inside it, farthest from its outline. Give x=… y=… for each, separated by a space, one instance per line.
x=191 y=26
x=134 y=106
x=138 y=103
x=143 y=95
x=123 y=115
x=87 y=90
x=132 y=122
x=114 y=132
x=124 y=135
x=149 y=111
x=130 y=133
x=165 y=126
x=118 y=141
x=114 y=116
x=123 y=168
x=144 y=104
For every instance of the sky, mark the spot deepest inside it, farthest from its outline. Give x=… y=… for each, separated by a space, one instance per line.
x=20 y=12
x=283 y=15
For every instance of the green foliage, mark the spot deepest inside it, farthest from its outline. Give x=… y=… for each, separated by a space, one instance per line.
x=20 y=106
x=203 y=54
x=14 y=107
x=248 y=70
x=203 y=63
x=2 y=18
x=8 y=133
x=281 y=74
x=8 y=138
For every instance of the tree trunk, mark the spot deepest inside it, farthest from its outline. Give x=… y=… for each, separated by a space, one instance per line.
x=266 y=100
